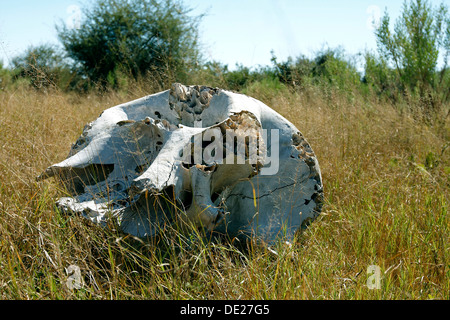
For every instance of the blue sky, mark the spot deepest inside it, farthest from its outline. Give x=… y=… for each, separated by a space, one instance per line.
x=233 y=31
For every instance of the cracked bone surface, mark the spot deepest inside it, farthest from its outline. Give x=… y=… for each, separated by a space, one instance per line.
x=220 y=160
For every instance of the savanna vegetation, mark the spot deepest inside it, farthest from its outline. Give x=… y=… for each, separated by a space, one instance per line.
x=381 y=136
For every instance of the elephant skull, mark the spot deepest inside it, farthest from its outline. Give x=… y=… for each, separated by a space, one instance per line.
x=220 y=160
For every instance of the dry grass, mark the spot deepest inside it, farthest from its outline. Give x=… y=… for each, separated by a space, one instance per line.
x=386 y=181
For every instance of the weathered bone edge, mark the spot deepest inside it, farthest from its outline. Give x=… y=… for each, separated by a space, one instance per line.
x=138 y=163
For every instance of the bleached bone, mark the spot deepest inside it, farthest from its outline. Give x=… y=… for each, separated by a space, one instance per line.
x=220 y=160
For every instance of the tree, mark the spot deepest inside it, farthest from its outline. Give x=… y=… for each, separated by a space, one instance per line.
x=134 y=37
x=332 y=66
x=44 y=66
x=379 y=77
x=419 y=35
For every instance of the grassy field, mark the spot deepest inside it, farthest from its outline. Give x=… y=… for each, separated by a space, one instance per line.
x=386 y=183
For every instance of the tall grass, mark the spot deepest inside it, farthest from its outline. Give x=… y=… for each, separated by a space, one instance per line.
x=386 y=182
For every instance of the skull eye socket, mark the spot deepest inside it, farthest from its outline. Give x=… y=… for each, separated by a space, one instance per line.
x=76 y=179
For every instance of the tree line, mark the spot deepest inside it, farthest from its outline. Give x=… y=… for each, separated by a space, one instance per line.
x=158 y=40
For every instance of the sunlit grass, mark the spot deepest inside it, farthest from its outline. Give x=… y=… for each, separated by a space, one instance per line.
x=386 y=183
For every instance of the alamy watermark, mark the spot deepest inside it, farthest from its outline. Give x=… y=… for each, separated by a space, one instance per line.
x=374 y=20
x=74 y=278
x=374 y=277
x=212 y=146
x=73 y=21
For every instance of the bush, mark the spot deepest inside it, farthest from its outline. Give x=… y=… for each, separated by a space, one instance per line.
x=420 y=34
x=42 y=66
x=330 y=69
x=380 y=79
x=137 y=38
x=331 y=66
x=293 y=73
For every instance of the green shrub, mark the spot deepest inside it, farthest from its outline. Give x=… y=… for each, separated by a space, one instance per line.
x=43 y=67
x=412 y=48
x=140 y=38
